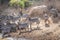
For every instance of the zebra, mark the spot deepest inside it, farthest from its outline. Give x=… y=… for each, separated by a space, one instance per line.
x=34 y=19
x=5 y=30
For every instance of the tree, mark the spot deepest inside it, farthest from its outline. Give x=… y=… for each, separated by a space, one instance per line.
x=4 y=1
x=20 y=3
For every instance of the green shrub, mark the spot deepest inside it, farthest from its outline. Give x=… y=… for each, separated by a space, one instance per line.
x=21 y=3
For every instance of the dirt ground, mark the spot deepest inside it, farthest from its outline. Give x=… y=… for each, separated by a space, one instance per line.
x=44 y=33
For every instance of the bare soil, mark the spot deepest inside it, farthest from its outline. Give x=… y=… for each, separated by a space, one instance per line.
x=45 y=33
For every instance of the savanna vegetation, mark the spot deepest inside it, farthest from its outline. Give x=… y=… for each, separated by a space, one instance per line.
x=32 y=19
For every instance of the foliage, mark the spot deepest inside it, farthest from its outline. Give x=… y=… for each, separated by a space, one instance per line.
x=21 y=3
x=12 y=2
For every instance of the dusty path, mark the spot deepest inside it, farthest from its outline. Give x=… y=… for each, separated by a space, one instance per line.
x=45 y=33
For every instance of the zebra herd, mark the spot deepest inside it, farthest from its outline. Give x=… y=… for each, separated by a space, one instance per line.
x=8 y=26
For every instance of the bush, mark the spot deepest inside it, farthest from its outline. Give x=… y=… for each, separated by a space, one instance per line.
x=21 y=3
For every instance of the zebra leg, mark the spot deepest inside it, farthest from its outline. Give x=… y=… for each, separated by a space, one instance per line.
x=38 y=27
x=20 y=32
x=30 y=28
x=3 y=35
